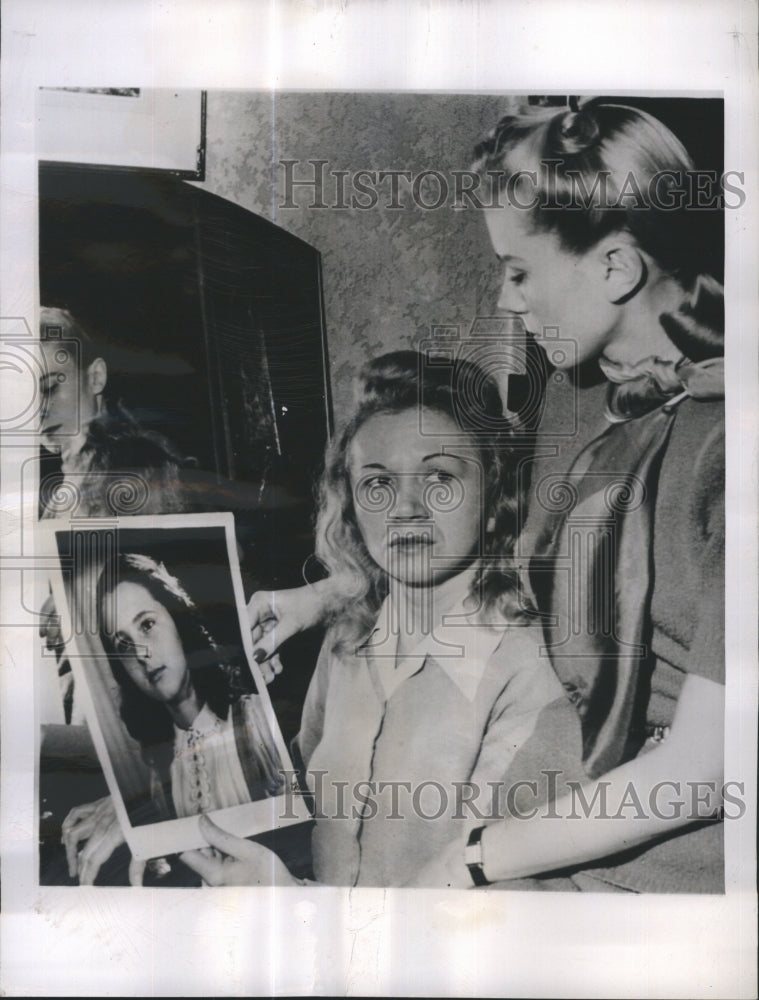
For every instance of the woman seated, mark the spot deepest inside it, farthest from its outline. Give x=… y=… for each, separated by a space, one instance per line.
x=430 y=706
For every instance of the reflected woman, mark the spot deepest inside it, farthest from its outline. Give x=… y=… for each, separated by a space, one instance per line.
x=110 y=464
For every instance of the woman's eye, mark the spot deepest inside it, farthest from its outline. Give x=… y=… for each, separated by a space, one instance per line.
x=378 y=481
x=517 y=277
x=440 y=476
x=146 y=625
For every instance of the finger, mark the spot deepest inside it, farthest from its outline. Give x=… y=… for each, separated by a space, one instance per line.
x=77 y=814
x=72 y=860
x=260 y=607
x=267 y=672
x=95 y=853
x=71 y=841
x=136 y=871
x=268 y=645
x=70 y=825
x=227 y=843
x=82 y=822
x=262 y=627
x=86 y=810
x=270 y=668
x=105 y=838
x=209 y=867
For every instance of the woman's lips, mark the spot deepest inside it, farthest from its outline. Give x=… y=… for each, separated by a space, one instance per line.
x=410 y=541
x=155 y=675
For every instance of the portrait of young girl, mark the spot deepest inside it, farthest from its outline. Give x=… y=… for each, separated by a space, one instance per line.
x=183 y=721
x=430 y=686
x=205 y=740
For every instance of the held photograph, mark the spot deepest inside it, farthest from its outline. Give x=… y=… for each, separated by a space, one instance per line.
x=155 y=632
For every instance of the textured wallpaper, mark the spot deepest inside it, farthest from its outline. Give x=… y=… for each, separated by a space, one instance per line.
x=391 y=270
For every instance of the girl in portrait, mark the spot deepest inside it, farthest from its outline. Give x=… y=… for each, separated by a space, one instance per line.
x=203 y=735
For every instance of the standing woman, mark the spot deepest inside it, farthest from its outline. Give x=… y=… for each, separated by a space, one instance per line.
x=627 y=278
x=595 y=225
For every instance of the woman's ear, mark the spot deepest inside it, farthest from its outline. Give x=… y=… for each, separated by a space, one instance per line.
x=625 y=270
x=97 y=376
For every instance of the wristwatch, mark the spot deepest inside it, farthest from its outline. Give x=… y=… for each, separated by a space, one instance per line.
x=473 y=857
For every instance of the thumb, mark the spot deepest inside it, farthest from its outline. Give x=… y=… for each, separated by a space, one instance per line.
x=227 y=843
x=210 y=868
x=136 y=871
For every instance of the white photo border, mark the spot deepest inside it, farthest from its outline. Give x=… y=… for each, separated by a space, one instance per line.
x=172 y=836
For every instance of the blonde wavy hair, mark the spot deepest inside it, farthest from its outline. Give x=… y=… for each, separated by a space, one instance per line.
x=395 y=383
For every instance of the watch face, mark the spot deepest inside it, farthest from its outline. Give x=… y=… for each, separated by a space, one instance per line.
x=472 y=855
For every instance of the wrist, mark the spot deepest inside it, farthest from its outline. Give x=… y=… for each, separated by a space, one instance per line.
x=474 y=857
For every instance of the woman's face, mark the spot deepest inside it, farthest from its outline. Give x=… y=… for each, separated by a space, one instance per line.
x=147 y=643
x=550 y=288
x=418 y=495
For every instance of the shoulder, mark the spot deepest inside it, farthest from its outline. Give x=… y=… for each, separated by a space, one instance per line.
x=519 y=644
x=520 y=654
x=693 y=473
x=698 y=431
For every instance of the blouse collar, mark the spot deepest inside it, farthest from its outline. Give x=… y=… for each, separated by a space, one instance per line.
x=204 y=723
x=461 y=642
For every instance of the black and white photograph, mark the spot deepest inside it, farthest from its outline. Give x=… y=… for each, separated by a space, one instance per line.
x=382 y=553
x=545 y=483
x=179 y=710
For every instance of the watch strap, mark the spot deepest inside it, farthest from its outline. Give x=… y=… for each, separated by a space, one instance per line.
x=473 y=857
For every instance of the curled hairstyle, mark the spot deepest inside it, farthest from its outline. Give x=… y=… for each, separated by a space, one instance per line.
x=605 y=168
x=396 y=383
x=216 y=680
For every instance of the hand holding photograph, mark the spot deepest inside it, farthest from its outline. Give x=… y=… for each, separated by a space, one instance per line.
x=177 y=707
